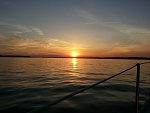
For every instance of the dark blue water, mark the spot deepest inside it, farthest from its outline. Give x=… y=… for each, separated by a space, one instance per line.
x=28 y=83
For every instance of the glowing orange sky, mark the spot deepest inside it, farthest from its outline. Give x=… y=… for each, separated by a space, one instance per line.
x=91 y=28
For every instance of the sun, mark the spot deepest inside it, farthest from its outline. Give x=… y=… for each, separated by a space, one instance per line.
x=74 y=54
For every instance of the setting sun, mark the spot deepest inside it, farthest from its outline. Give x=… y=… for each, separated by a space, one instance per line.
x=74 y=54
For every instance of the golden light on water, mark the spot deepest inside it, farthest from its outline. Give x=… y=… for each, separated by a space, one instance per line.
x=74 y=62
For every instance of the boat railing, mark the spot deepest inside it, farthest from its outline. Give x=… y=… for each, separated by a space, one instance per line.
x=138 y=65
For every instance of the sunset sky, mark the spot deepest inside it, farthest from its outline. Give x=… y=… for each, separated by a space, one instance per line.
x=94 y=28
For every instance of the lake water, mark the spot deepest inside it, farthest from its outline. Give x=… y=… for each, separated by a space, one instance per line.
x=28 y=83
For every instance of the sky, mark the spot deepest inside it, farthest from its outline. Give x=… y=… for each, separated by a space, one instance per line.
x=93 y=28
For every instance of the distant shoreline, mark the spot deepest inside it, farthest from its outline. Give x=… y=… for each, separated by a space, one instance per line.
x=136 y=58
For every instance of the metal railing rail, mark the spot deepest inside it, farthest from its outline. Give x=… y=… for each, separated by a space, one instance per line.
x=137 y=86
x=45 y=107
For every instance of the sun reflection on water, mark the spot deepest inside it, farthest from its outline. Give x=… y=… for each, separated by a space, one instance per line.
x=74 y=62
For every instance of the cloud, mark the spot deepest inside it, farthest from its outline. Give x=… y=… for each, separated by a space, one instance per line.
x=86 y=15
x=91 y=23
x=89 y=18
x=114 y=25
x=10 y=28
x=132 y=30
x=16 y=44
x=116 y=38
x=93 y=19
x=129 y=29
x=22 y=28
x=37 y=30
x=7 y=28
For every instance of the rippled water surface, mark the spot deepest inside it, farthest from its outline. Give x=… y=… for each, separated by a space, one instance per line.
x=28 y=83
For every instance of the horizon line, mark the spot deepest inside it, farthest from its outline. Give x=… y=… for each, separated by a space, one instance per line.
x=27 y=56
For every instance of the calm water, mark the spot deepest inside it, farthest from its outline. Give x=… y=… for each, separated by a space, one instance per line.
x=28 y=83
